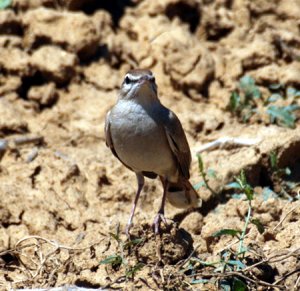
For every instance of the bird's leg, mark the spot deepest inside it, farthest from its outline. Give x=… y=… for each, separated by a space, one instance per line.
x=160 y=216
x=140 y=180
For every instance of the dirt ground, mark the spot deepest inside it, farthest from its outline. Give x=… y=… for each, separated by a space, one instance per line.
x=65 y=199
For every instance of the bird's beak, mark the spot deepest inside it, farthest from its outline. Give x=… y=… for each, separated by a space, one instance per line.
x=143 y=81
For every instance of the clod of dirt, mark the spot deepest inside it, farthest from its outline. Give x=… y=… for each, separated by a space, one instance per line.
x=256 y=54
x=54 y=63
x=43 y=220
x=10 y=120
x=9 y=23
x=290 y=74
x=9 y=41
x=100 y=75
x=32 y=4
x=75 y=4
x=44 y=26
x=44 y=95
x=191 y=69
x=216 y=21
x=267 y=74
x=188 y=62
x=174 y=245
x=9 y=84
x=16 y=61
x=193 y=223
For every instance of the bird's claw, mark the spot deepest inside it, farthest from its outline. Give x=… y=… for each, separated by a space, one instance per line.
x=157 y=220
x=128 y=227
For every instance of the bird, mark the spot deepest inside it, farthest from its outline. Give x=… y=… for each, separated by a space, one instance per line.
x=148 y=139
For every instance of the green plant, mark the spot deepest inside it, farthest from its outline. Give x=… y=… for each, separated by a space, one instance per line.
x=4 y=4
x=119 y=260
x=242 y=102
x=279 y=106
x=204 y=174
x=283 y=115
x=279 y=172
x=231 y=264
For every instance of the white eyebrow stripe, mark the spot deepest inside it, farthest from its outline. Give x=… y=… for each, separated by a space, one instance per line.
x=132 y=77
x=135 y=78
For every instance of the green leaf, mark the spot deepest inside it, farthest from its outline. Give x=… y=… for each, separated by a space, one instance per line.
x=225 y=285
x=4 y=4
x=200 y=163
x=238 y=196
x=234 y=102
x=243 y=250
x=243 y=178
x=258 y=225
x=247 y=84
x=268 y=193
x=115 y=236
x=274 y=97
x=275 y=86
x=233 y=185
x=113 y=260
x=236 y=263
x=199 y=185
x=249 y=192
x=132 y=270
x=284 y=116
x=273 y=161
x=287 y=171
x=133 y=242
x=242 y=181
x=238 y=285
x=292 y=92
x=200 y=281
x=226 y=231
x=211 y=173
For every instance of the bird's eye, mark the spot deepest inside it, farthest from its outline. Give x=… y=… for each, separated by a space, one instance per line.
x=127 y=80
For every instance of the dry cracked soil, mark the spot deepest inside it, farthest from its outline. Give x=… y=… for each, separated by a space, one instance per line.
x=64 y=198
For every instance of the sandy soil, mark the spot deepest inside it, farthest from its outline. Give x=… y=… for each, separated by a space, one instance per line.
x=63 y=196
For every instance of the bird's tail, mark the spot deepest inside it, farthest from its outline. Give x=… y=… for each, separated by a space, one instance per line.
x=183 y=195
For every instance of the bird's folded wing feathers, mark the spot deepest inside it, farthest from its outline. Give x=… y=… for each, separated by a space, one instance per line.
x=178 y=143
x=108 y=139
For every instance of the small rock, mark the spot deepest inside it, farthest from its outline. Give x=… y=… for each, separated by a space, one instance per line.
x=54 y=63
x=32 y=4
x=45 y=95
x=9 y=84
x=10 y=41
x=102 y=76
x=14 y=60
x=43 y=220
x=193 y=223
x=9 y=22
x=75 y=4
x=44 y=26
x=290 y=74
x=174 y=244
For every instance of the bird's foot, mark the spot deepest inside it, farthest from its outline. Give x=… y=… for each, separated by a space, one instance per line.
x=157 y=220
x=128 y=227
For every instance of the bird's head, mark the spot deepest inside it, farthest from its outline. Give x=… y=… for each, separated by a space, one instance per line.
x=138 y=84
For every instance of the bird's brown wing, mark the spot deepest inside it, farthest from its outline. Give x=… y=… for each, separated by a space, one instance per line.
x=108 y=139
x=178 y=143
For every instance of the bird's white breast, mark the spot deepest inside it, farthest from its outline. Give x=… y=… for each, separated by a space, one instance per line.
x=139 y=138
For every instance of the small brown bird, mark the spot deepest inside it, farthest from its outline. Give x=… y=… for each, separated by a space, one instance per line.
x=148 y=139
